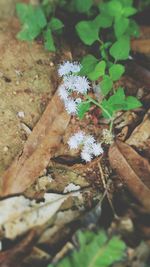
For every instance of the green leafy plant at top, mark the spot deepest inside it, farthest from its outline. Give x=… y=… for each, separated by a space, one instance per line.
x=95 y=250
x=115 y=16
x=34 y=23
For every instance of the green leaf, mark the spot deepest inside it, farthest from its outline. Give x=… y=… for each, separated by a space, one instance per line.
x=129 y=11
x=103 y=21
x=120 y=26
x=49 y=42
x=106 y=85
x=114 y=103
x=95 y=251
x=56 y=24
x=88 y=64
x=33 y=20
x=83 y=6
x=87 y=32
x=98 y=71
x=83 y=107
x=119 y=101
x=132 y=103
x=121 y=48
x=116 y=71
x=22 y=11
x=114 y=8
x=133 y=29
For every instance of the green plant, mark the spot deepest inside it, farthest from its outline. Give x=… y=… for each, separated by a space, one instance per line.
x=34 y=23
x=115 y=17
x=111 y=27
x=95 y=250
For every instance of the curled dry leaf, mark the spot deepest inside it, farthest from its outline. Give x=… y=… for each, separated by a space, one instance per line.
x=142 y=44
x=133 y=169
x=19 y=214
x=39 y=148
x=15 y=256
x=140 y=138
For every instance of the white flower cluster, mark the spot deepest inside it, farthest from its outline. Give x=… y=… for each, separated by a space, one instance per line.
x=88 y=144
x=71 y=83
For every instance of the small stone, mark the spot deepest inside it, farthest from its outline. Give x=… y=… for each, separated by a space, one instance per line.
x=21 y=114
x=5 y=149
x=51 y=64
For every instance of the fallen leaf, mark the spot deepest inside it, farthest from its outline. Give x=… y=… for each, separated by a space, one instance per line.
x=140 y=137
x=15 y=256
x=134 y=171
x=142 y=44
x=19 y=214
x=39 y=148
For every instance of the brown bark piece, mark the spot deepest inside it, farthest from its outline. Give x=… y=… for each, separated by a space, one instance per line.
x=133 y=169
x=38 y=150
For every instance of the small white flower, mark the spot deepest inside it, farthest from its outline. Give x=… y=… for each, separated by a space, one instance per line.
x=97 y=149
x=70 y=82
x=68 y=67
x=78 y=100
x=81 y=85
x=89 y=147
x=71 y=106
x=76 y=140
x=89 y=140
x=86 y=156
x=63 y=93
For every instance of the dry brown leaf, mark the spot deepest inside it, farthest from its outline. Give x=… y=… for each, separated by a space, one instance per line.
x=39 y=148
x=14 y=256
x=142 y=44
x=133 y=169
x=140 y=137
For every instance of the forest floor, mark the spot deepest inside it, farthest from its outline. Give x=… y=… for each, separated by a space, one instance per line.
x=35 y=162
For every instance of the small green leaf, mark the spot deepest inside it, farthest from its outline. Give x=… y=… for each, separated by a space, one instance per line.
x=56 y=24
x=88 y=64
x=83 y=107
x=114 y=8
x=129 y=11
x=132 y=103
x=22 y=11
x=120 y=26
x=133 y=29
x=106 y=85
x=114 y=103
x=121 y=48
x=49 y=42
x=87 y=32
x=83 y=6
x=116 y=71
x=103 y=21
x=33 y=20
x=98 y=71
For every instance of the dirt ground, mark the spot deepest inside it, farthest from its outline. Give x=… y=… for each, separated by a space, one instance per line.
x=26 y=85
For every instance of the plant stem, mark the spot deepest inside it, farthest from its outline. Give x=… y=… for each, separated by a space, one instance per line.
x=101 y=107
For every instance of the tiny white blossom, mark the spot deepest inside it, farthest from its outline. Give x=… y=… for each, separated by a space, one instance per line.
x=81 y=85
x=89 y=140
x=68 y=67
x=86 y=156
x=70 y=82
x=71 y=106
x=97 y=149
x=76 y=140
x=78 y=100
x=63 y=93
